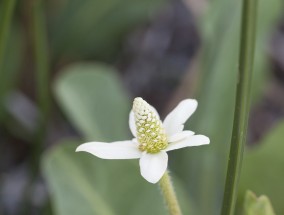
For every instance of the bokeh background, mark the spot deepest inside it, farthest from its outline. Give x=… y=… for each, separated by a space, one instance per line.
x=69 y=70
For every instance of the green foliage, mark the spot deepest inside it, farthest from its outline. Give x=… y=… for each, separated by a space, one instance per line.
x=10 y=68
x=80 y=183
x=257 y=206
x=94 y=100
x=95 y=28
x=68 y=181
x=83 y=184
x=6 y=15
x=263 y=168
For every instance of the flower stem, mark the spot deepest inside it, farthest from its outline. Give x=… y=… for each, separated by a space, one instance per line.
x=169 y=194
x=238 y=139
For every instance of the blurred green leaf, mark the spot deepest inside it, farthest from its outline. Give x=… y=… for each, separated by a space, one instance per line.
x=62 y=172
x=95 y=28
x=204 y=167
x=257 y=206
x=93 y=98
x=83 y=184
x=263 y=168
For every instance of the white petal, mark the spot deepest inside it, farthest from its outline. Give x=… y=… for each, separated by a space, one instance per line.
x=115 y=150
x=132 y=125
x=153 y=166
x=180 y=136
x=195 y=140
x=173 y=123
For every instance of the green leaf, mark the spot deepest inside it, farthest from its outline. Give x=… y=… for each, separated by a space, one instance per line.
x=83 y=184
x=263 y=168
x=95 y=28
x=94 y=100
x=62 y=173
x=257 y=206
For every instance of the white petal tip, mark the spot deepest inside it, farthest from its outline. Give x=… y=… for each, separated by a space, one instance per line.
x=206 y=140
x=85 y=147
x=202 y=140
x=153 y=181
x=79 y=149
x=175 y=120
x=192 y=100
x=153 y=166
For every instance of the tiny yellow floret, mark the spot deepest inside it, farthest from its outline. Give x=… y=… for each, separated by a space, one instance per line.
x=150 y=131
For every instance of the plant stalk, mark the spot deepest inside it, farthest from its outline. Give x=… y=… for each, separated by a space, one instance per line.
x=169 y=195
x=242 y=104
x=6 y=14
x=40 y=50
x=42 y=76
x=41 y=56
x=5 y=24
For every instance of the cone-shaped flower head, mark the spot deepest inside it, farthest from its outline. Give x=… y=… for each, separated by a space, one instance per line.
x=153 y=138
x=151 y=134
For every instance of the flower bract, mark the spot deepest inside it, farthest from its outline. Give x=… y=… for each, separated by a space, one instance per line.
x=152 y=138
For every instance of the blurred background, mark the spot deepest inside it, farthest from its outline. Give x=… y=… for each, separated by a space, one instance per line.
x=69 y=71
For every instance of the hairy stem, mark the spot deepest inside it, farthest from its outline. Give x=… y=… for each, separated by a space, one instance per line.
x=169 y=195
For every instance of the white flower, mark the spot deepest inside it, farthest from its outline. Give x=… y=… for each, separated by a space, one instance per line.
x=152 y=138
